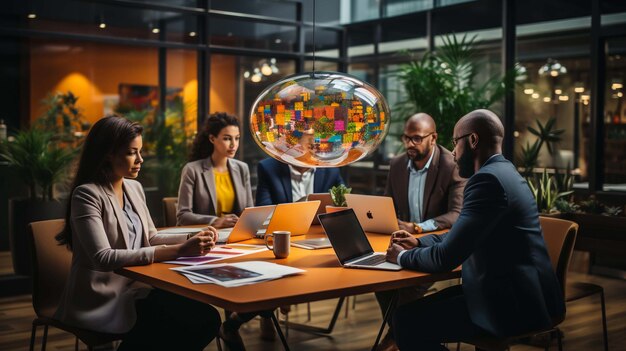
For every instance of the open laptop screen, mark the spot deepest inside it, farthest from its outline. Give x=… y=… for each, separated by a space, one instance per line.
x=345 y=234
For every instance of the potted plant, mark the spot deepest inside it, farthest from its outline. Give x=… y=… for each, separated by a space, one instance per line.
x=443 y=84
x=41 y=164
x=338 y=195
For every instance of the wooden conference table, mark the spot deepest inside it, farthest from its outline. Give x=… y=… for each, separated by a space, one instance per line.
x=324 y=279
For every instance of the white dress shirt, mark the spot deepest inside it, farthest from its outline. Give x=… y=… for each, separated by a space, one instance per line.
x=301 y=183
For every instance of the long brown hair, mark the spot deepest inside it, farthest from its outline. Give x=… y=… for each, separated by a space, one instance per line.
x=202 y=147
x=107 y=137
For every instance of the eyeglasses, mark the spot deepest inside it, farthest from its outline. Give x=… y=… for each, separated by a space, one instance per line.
x=456 y=140
x=415 y=139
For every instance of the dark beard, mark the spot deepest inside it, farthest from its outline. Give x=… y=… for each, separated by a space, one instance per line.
x=466 y=163
x=418 y=156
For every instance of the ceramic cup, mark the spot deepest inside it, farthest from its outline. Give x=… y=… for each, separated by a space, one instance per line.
x=281 y=241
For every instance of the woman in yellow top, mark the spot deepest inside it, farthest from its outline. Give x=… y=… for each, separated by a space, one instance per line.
x=214 y=187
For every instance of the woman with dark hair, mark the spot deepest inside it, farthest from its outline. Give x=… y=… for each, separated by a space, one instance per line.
x=108 y=227
x=214 y=187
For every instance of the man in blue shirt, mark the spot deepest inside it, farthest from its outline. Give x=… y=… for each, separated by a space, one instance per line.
x=427 y=192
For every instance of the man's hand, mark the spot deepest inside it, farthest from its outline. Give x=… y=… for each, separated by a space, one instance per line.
x=406 y=226
x=392 y=253
x=403 y=239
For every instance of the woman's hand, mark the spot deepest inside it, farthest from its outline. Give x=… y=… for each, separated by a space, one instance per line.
x=199 y=244
x=226 y=221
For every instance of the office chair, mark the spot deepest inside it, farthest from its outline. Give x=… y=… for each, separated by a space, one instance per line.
x=578 y=290
x=169 y=211
x=51 y=268
x=559 y=236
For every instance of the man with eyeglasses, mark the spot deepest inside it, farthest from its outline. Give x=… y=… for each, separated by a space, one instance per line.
x=427 y=193
x=509 y=286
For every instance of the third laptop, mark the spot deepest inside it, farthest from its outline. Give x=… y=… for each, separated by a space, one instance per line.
x=350 y=242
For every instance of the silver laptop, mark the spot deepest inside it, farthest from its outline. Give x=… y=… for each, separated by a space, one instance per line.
x=249 y=223
x=375 y=213
x=350 y=242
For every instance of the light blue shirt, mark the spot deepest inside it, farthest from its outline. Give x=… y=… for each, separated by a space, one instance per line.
x=417 y=183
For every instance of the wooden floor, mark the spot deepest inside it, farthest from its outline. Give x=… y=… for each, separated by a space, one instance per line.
x=582 y=328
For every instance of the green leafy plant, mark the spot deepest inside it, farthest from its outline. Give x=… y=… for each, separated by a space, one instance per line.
x=546 y=135
x=338 y=195
x=546 y=191
x=443 y=84
x=63 y=118
x=39 y=161
x=564 y=206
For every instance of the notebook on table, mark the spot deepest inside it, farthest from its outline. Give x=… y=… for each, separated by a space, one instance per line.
x=350 y=242
x=376 y=214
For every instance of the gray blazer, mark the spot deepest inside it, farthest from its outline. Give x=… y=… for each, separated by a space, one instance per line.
x=197 y=199
x=95 y=297
x=443 y=191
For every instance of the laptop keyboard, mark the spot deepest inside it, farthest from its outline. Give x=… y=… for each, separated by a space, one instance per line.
x=372 y=261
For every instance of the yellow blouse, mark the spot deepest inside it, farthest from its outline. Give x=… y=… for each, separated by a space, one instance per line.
x=225 y=193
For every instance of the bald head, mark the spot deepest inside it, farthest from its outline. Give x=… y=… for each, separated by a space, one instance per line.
x=421 y=121
x=484 y=123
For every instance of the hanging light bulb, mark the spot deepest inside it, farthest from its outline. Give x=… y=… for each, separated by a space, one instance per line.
x=246 y=74
x=528 y=89
x=552 y=68
x=579 y=88
x=266 y=69
x=558 y=91
x=256 y=78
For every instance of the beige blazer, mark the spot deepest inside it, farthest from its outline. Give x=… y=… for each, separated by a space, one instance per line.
x=197 y=199
x=95 y=297
x=443 y=191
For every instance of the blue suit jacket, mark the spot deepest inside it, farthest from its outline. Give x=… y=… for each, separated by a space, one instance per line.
x=274 y=182
x=508 y=280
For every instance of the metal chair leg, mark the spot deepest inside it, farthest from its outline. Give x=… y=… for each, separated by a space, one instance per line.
x=45 y=338
x=32 y=337
x=308 y=311
x=604 y=328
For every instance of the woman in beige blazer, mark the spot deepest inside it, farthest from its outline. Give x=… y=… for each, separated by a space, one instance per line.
x=212 y=158
x=108 y=227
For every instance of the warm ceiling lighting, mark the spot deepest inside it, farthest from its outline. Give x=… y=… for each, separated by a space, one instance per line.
x=535 y=95
x=563 y=98
x=620 y=94
x=558 y=91
x=278 y=41
x=155 y=30
x=256 y=78
x=546 y=99
x=32 y=16
x=616 y=86
x=579 y=90
x=266 y=69
x=192 y=34
x=585 y=97
x=102 y=25
x=552 y=68
x=516 y=134
x=528 y=91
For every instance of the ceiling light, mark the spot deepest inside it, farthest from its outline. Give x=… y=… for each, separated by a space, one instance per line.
x=102 y=25
x=266 y=69
x=585 y=97
x=552 y=68
x=32 y=16
x=192 y=34
x=563 y=98
x=616 y=85
x=546 y=99
x=535 y=95
x=516 y=134
x=579 y=88
x=278 y=41
x=256 y=78
x=558 y=91
x=155 y=30
x=246 y=74
x=528 y=90
x=620 y=94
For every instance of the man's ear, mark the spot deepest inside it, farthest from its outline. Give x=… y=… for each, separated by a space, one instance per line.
x=473 y=139
x=434 y=138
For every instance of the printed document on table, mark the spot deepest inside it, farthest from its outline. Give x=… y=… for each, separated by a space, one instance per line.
x=236 y=274
x=218 y=253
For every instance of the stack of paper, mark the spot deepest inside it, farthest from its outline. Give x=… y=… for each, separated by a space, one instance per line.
x=180 y=230
x=236 y=274
x=220 y=252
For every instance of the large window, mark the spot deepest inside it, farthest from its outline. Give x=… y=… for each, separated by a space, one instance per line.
x=615 y=116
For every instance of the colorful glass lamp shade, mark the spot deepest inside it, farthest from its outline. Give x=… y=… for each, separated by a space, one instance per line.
x=319 y=119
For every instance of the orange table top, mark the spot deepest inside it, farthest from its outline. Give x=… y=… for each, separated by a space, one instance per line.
x=324 y=278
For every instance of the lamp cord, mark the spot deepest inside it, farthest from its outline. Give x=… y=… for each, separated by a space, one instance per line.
x=314 y=1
